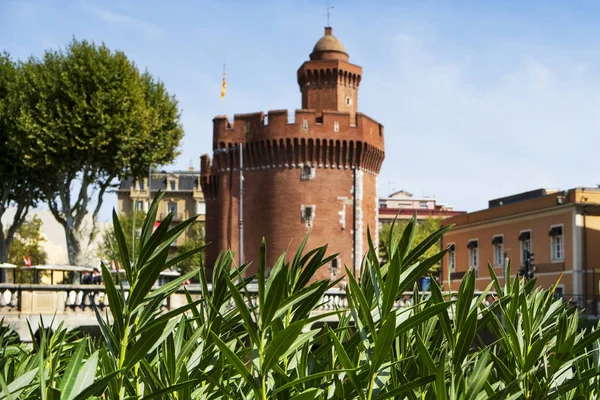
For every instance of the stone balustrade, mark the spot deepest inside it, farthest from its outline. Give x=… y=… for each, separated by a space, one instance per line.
x=74 y=304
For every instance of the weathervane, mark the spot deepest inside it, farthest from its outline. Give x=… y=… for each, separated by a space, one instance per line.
x=328 y=8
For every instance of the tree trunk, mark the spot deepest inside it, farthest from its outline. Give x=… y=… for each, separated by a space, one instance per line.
x=73 y=245
x=3 y=246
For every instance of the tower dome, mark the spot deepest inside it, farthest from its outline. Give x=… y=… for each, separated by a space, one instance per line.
x=329 y=48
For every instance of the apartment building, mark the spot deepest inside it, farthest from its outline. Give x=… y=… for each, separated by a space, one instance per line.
x=182 y=195
x=403 y=205
x=561 y=229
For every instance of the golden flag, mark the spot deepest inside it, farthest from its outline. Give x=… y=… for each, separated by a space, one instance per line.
x=224 y=84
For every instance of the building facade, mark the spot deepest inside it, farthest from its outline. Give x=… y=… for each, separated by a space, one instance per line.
x=182 y=196
x=314 y=173
x=402 y=206
x=561 y=229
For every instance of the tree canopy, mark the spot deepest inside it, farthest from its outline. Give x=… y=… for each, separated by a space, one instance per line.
x=28 y=242
x=195 y=239
x=131 y=224
x=19 y=179
x=423 y=229
x=90 y=116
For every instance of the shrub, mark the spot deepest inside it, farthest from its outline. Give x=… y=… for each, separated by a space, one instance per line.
x=231 y=343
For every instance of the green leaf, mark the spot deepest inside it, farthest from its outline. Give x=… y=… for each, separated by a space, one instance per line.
x=308 y=394
x=170 y=287
x=20 y=383
x=383 y=344
x=400 y=391
x=70 y=376
x=275 y=290
x=262 y=266
x=97 y=387
x=406 y=241
x=182 y=257
x=365 y=309
x=347 y=364
x=115 y=301
x=124 y=259
x=242 y=308
x=236 y=363
x=440 y=378
x=144 y=343
x=151 y=218
x=281 y=343
x=85 y=378
x=392 y=283
x=146 y=279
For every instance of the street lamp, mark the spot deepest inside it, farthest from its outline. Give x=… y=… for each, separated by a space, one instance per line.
x=241 y=205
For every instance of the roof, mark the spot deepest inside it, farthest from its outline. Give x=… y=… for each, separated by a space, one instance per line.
x=403 y=193
x=329 y=48
x=535 y=201
x=188 y=181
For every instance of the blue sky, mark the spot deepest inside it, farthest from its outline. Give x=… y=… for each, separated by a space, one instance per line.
x=479 y=99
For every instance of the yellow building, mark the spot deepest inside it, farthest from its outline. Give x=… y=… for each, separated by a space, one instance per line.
x=183 y=195
x=561 y=228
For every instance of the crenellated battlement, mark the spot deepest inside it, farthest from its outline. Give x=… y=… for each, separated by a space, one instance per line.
x=305 y=124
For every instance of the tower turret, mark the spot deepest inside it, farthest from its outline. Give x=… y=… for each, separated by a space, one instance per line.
x=314 y=173
x=328 y=81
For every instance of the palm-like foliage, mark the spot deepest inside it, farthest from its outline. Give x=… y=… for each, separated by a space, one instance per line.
x=241 y=340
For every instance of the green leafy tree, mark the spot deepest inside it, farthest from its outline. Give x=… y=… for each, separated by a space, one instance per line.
x=91 y=117
x=131 y=223
x=18 y=187
x=28 y=242
x=423 y=229
x=194 y=240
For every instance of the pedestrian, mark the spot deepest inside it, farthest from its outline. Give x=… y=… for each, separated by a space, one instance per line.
x=96 y=277
x=86 y=279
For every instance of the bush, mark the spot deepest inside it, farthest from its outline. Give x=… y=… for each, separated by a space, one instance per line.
x=229 y=344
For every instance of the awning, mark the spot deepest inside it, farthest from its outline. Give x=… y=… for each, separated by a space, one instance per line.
x=555 y=231
x=497 y=240
x=472 y=244
x=451 y=247
x=525 y=236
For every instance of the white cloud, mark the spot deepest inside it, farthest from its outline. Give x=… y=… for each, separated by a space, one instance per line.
x=145 y=27
x=468 y=139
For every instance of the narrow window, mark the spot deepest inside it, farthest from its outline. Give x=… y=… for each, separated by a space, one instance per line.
x=525 y=244
x=348 y=101
x=308 y=214
x=336 y=126
x=451 y=257
x=172 y=185
x=201 y=208
x=305 y=125
x=473 y=253
x=172 y=208
x=141 y=185
x=334 y=268
x=307 y=173
x=557 y=243
x=497 y=242
x=139 y=205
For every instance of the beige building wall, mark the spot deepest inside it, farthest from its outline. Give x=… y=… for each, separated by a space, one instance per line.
x=188 y=201
x=576 y=212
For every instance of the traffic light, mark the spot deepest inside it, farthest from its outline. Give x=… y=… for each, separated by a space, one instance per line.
x=528 y=270
x=530 y=264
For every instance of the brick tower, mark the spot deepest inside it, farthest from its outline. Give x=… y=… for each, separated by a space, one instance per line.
x=315 y=173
